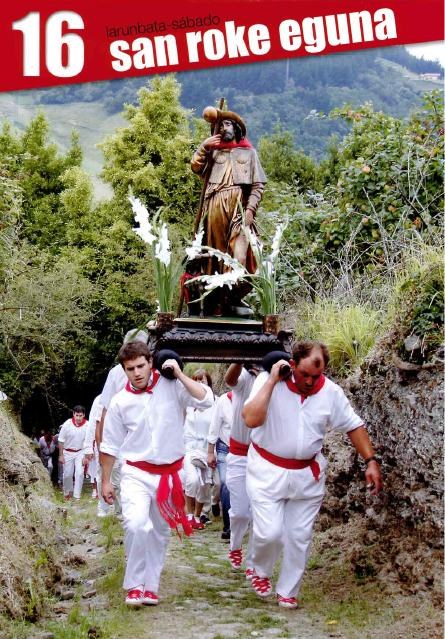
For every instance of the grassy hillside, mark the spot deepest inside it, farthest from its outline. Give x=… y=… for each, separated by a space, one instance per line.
x=89 y=119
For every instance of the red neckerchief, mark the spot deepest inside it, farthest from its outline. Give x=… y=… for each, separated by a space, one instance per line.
x=149 y=389
x=84 y=421
x=317 y=387
x=233 y=144
x=230 y=395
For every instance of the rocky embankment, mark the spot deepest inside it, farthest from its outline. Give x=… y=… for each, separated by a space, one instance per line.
x=400 y=534
x=30 y=524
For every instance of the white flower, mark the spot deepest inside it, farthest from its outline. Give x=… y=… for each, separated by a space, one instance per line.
x=195 y=249
x=139 y=210
x=230 y=278
x=276 y=242
x=162 y=248
x=267 y=268
x=145 y=234
x=141 y=217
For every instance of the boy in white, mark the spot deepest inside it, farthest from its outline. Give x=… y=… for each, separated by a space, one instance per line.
x=71 y=441
x=241 y=380
x=198 y=478
x=144 y=423
x=286 y=470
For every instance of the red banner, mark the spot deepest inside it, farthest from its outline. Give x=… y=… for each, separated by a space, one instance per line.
x=53 y=42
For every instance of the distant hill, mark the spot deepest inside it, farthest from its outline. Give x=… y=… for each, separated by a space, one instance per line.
x=288 y=93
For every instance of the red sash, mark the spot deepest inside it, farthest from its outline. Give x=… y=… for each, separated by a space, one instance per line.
x=72 y=450
x=290 y=464
x=170 y=499
x=149 y=389
x=237 y=448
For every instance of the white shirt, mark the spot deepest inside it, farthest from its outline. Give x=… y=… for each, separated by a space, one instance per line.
x=149 y=426
x=95 y=415
x=116 y=380
x=296 y=430
x=196 y=427
x=241 y=391
x=72 y=436
x=222 y=419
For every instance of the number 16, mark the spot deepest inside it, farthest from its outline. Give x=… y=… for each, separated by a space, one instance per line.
x=54 y=42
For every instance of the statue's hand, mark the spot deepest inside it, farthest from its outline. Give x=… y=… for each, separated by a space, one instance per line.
x=249 y=217
x=211 y=142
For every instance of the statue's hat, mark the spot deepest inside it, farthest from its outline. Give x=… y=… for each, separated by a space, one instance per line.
x=214 y=116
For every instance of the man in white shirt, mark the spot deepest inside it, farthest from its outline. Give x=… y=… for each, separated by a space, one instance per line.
x=71 y=441
x=144 y=424
x=218 y=440
x=286 y=470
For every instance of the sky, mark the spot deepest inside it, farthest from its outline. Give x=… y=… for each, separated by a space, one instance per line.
x=429 y=50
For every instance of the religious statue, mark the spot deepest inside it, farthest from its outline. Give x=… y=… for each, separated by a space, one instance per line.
x=233 y=187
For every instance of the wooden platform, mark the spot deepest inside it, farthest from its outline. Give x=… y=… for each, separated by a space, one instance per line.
x=219 y=339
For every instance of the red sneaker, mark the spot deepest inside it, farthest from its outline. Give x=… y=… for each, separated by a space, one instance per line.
x=249 y=573
x=262 y=586
x=236 y=558
x=150 y=598
x=196 y=525
x=287 y=602
x=134 y=597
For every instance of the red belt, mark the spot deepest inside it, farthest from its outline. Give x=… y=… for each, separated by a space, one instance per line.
x=237 y=448
x=290 y=464
x=170 y=499
x=72 y=450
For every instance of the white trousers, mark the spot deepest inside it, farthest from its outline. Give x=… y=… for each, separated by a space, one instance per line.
x=146 y=531
x=285 y=504
x=73 y=466
x=240 y=512
x=191 y=478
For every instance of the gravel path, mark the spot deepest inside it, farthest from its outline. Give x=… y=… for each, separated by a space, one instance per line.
x=200 y=595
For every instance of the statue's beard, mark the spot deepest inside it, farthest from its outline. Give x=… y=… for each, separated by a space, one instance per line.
x=227 y=136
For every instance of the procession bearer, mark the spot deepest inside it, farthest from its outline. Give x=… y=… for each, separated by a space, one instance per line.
x=144 y=424
x=286 y=470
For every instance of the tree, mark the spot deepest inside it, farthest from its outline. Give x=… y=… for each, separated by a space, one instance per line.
x=151 y=156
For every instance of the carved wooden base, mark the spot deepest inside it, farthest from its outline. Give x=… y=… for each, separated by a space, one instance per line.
x=213 y=339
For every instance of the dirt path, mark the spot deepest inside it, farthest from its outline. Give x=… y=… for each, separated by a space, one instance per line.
x=200 y=596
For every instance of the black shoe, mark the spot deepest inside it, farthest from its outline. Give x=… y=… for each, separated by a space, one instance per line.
x=216 y=510
x=205 y=520
x=225 y=535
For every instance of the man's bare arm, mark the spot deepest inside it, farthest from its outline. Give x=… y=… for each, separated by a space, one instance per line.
x=232 y=375
x=360 y=440
x=196 y=389
x=107 y=463
x=255 y=410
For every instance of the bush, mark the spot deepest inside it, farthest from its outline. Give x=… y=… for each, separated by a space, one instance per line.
x=348 y=331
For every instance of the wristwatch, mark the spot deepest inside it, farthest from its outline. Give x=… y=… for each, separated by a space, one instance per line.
x=372 y=458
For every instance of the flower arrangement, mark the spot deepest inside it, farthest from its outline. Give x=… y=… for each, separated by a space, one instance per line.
x=263 y=281
x=167 y=268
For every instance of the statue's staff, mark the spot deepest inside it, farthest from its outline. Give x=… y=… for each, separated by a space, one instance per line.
x=211 y=115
